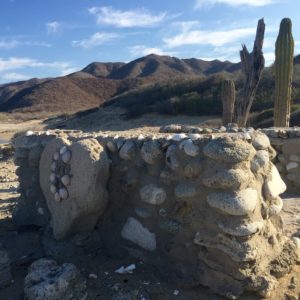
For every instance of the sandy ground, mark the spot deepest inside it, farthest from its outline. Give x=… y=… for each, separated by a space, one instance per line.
x=25 y=245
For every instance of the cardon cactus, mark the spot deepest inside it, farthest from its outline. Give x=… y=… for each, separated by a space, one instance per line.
x=228 y=100
x=284 y=56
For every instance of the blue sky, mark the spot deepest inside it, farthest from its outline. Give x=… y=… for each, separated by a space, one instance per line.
x=45 y=38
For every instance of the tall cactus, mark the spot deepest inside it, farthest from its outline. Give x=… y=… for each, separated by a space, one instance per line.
x=284 y=57
x=228 y=100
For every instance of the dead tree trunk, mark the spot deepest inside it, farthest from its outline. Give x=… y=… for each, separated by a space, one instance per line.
x=252 y=67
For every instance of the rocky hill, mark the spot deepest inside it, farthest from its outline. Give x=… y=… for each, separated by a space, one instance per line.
x=98 y=82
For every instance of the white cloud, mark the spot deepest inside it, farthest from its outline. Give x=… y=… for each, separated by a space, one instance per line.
x=52 y=27
x=204 y=37
x=202 y=3
x=15 y=63
x=98 y=38
x=8 y=44
x=14 y=77
x=141 y=50
x=126 y=18
x=269 y=58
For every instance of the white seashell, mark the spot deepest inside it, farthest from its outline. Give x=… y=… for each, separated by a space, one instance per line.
x=66 y=157
x=53 y=178
x=57 y=197
x=63 y=193
x=62 y=150
x=53 y=189
x=53 y=166
x=66 y=179
x=56 y=156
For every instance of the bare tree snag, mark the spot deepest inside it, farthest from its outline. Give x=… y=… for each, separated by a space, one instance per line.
x=252 y=67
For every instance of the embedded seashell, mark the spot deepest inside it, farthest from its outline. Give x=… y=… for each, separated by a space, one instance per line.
x=57 y=197
x=53 y=178
x=56 y=156
x=63 y=193
x=53 y=189
x=62 y=150
x=53 y=166
x=66 y=157
x=66 y=179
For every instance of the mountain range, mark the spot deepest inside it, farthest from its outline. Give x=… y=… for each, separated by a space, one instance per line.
x=98 y=82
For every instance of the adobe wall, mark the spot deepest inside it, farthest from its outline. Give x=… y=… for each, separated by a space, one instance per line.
x=204 y=207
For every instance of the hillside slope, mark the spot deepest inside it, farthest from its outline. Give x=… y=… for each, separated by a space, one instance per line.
x=98 y=82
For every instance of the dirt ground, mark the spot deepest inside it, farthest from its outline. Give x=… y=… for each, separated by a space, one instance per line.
x=87 y=252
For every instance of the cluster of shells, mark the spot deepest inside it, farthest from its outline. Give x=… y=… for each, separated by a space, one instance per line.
x=60 y=177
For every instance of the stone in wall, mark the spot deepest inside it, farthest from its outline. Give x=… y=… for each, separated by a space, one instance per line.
x=73 y=178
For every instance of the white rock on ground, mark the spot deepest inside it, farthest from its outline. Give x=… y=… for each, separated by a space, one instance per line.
x=274 y=185
x=292 y=165
x=135 y=232
x=46 y=280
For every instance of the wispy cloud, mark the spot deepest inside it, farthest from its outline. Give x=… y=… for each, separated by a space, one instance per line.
x=126 y=18
x=203 y=3
x=14 y=77
x=206 y=37
x=8 y=44
x=53 y=27
x=142 y=50
x=97 y=39
x=16 y=63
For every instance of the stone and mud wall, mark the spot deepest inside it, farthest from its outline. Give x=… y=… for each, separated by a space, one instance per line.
x=202 y=207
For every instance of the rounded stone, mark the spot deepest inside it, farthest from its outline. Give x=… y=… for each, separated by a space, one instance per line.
x=171 y=158
x=111 y=146
x=56 y=156
x=235 y=204
x=260 y=159
x=62 y=150
x=152 y=194
x=66 y=156
x=276 y=207
x=151 y=152
x=66 y=180
x=53 y=178
x=127 y=152
x=242 y=230
x=189 y=148
x=192 y=169
x=53 y=166
x=87 y=194
x=185 y=190
x=228 y=178
x=46 y=280
x=228 y=151
x=260 y=141
x=53 y=189
x=295 y=158
x=63 y=193
x=177 y=137
x=57 y=197
x=291 y=166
